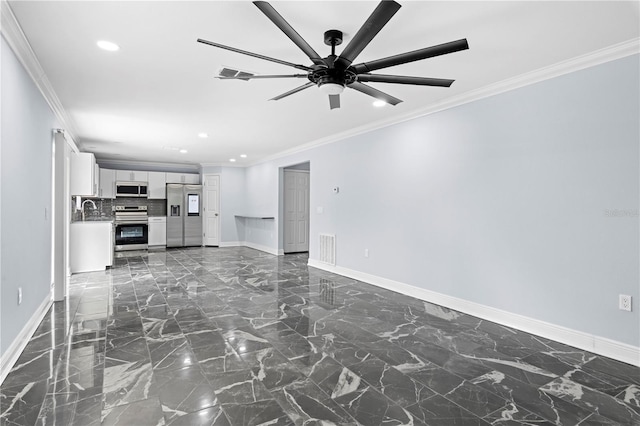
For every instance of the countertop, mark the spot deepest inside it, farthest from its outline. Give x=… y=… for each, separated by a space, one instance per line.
x=92 y=221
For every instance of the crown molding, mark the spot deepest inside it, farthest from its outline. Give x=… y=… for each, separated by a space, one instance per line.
x=608 y=54
x=15 y=37
x=148 y=166
x=224 y=164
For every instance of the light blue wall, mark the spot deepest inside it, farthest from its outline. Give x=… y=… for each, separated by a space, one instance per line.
x=302 y=166
x=262 y=200
x=232 y=202
x=25 y=250
x=503 y=202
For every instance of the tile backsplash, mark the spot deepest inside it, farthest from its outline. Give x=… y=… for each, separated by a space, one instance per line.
x=105 y=207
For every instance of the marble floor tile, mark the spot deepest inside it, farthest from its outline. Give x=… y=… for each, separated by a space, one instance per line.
x=183 y=391
x=142 y=413
x=305 y=403
x=58 y=409
x=267 y=412
x=21 y=404
x=235 y=336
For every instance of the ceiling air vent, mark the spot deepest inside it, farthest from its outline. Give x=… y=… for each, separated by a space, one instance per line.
x=225 y=72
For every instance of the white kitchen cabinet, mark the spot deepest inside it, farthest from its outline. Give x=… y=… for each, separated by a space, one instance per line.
x=157 y=231
x=107 y=183
x=192 y=179
x=156 y=187
x=186 y=178
x=83 y=174
x=90 y=246
x=131 y=176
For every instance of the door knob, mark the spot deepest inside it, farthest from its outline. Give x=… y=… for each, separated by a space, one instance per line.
x=216 y=214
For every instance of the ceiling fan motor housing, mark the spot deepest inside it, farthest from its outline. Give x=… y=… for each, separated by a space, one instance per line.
x=332 y=75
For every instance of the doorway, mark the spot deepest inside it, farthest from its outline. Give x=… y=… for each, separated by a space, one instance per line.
x=296 y=208
x=211 y=219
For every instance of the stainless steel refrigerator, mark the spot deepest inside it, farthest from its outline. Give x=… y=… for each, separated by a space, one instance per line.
x=184 y=215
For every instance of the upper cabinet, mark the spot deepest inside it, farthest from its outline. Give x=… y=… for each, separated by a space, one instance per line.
x=157 y=185
x=131 y=176
x=107 y=183
x=83 y=174
x=188 y=178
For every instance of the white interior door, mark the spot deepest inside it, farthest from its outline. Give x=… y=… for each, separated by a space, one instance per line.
x=296 y=211
x=212 y=210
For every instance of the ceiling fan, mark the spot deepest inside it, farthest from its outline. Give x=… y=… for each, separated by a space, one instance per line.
x=333 y=73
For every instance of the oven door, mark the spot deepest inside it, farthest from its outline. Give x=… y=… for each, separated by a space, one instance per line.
x=131 y=236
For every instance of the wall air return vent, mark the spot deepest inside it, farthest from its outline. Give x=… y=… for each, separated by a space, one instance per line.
x=328 y=249
x=226 y=72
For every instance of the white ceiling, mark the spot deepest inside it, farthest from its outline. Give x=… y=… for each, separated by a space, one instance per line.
x=159 y=90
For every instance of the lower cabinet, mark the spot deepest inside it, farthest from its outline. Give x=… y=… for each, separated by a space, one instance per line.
x=157 y=231
x=90 y=246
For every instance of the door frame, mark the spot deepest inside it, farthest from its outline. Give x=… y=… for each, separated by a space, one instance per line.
x=205 y=203
x=61 y=215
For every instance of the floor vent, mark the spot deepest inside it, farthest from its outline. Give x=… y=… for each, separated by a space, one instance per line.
x=327 y=249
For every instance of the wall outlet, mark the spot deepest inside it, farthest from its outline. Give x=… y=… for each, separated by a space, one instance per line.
x=624 y=303
x=366 y=252
x=19 y=295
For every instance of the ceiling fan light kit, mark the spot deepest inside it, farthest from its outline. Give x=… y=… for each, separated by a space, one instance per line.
x=331 y=88
x=334 y=73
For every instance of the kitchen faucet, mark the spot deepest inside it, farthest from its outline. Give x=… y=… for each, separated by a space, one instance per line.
x=82 y=207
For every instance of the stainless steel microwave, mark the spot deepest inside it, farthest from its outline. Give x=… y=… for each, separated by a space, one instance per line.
x=131 y=189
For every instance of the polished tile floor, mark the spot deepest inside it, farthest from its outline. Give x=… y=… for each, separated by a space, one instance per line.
x=234 y=336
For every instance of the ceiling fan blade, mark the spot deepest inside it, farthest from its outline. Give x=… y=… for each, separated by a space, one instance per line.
x=281 y=23
x=253 y=77
x=368 y=90
x=415 y=55
x=404 y=79
x=378 y=19
x=334 y=101
x=255 y=55
x=291 y=92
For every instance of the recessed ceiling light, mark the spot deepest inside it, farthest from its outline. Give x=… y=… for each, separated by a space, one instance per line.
x=233 y=160
x=183 y=151
x=107 y=45
x=203 y=135
x=379 y=103
x=243 y=155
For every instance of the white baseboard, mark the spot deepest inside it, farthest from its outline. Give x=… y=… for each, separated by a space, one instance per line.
x=266 y=249
x=230 y=244
x=589 y=342
x=11 y=355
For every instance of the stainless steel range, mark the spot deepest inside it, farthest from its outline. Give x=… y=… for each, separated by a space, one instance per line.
x=131 y=228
